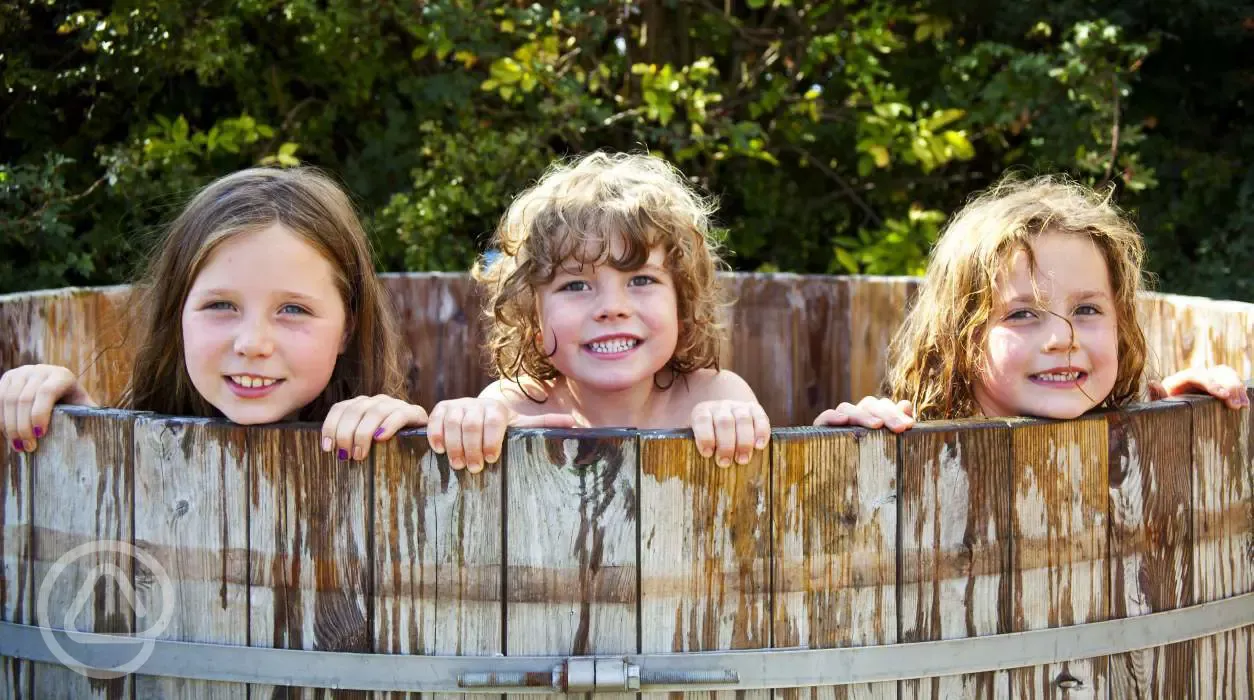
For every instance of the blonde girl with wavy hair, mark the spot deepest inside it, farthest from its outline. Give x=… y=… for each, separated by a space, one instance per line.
x=259 y=305
x=603 y=311
x=1027 y=308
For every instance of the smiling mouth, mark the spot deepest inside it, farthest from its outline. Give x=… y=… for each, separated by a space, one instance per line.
x=1060 y=378
x=251 y=381
x=612 y=346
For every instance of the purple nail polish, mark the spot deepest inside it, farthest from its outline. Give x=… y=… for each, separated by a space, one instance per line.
x=39 y=432
x=17 y=445
x=342 y=454
x=377 y=433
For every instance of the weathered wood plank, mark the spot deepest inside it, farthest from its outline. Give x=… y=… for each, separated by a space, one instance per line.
x=191 y=516
x=1151 y=541
x=571 y=539
x=16 y=594
x=704 y=551
x=310 y=577
x=789 y=340
x=955 y=571
x=1059 y=554
x=442 y=335
x=113 y=354
x=1183 y=332
x=438 y=555
x=877 y=306
x=83 y=495
x=834 y=515
x=1223 y=527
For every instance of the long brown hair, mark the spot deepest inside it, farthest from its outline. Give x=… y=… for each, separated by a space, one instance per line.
x=575 y=212
x=313 y=207
x=939 y=349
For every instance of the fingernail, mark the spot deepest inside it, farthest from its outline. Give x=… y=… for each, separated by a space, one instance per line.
x=761 y=443
x=39 y=432
x=326 y=444
x=742 y=459
x=377 y=433
x=724 y=462
x=342 y=454
x=456 y=463
x=359 y=454
x=17 y=445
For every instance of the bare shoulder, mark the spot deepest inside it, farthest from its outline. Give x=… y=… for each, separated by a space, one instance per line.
x=526 y=397
x=716 y=385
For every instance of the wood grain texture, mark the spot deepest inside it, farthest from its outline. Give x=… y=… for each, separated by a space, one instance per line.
x=834 y=515
x=1183 y=332
x=704 y=551
x=309 y=574
x=789 y=337
x=1059 y=515
x=1223 y=547
x=83 y=494
x=438 y=555
x=1151 y=538
x=442 y=331
x=191 y=516
x=571 y=538
x=955 y=572
x=877 y=306
x=16 y=594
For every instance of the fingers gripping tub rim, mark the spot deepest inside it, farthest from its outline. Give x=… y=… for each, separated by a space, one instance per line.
x=161 y=585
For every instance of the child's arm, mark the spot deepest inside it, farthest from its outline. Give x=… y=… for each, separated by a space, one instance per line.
x=27 y=395
x=352 y=426
x=729 y=423
x=471 y=431
x=871 y=412
x=1220 y=381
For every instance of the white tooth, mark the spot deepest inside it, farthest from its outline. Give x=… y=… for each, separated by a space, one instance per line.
x=267 y=382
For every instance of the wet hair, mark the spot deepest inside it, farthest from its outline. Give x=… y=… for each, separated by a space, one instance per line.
x=940 y=348
x=574 y=214
x=311 y=206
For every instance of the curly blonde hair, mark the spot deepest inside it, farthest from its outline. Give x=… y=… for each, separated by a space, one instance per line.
x=576 y=212
x=939 y=348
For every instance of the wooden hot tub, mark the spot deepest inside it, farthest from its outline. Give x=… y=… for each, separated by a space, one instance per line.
x=597 y=554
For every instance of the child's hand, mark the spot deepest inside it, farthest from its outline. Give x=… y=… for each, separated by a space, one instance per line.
x=472 y=431
x=1220 y=381
x=352 y=426
x=727 y=429
x=27 y=395
x=871 y=412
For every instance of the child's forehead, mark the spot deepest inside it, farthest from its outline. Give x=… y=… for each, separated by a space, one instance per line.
x=615 y=251
x=1054 y=264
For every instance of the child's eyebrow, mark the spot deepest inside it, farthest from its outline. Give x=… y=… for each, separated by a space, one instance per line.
x=285 y=293
x=1077 y=296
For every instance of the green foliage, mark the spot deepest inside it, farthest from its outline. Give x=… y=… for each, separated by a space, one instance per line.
x=837 y=133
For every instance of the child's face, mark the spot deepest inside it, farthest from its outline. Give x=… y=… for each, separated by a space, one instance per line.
x=263 y=326
x=613 y=329
x=1037 y=364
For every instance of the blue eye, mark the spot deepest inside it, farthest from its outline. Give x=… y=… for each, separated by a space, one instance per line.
x=1088 y=310
x=218 y=306
x=574 y=286
x=293 y=309
x=1021 y=315
x=642 y=280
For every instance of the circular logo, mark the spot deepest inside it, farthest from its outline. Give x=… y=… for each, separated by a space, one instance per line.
x=83 y=600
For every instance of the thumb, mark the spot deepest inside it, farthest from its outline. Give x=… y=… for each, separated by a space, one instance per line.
x=548 y=420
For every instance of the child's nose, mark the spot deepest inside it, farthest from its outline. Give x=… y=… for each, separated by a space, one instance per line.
x=254 y=339
x=1061 y=334
x=613 y=304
